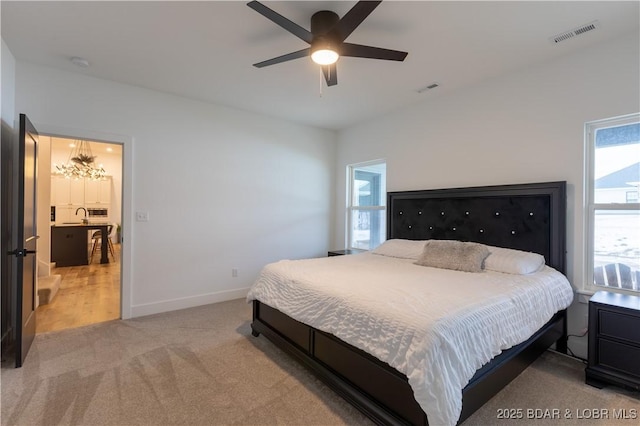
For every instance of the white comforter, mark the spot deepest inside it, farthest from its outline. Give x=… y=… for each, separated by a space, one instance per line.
x=436 y=326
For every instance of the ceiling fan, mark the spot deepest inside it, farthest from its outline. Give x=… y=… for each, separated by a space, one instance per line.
x=327 y=38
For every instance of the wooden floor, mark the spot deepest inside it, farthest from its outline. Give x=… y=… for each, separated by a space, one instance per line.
x=87 y=295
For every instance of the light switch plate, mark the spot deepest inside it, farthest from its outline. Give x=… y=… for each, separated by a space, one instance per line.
x=142 y=216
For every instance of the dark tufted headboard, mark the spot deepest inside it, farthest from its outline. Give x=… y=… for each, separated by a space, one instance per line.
x=530 y=217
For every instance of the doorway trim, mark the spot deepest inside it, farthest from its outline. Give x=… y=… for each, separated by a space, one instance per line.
x=127 y=184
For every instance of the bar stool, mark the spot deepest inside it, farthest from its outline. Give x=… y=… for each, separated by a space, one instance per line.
x=97 y=240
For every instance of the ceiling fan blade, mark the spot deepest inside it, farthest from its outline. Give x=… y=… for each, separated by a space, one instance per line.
x=330 y=74
x=284 y=58
x=360 y=51
x=274 y=16
x=354 y=17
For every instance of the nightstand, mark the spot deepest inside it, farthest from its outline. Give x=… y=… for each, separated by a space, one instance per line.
x=614 y=340
x=343 y=252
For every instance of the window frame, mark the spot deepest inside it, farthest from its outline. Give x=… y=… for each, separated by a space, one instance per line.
x=351 y=171
x=590 y=206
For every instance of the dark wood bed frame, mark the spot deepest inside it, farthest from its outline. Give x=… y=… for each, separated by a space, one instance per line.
x=529 y=217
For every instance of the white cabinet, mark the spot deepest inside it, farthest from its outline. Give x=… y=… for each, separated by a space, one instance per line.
x=97 y=192
x=67 y=191
x=68 y=195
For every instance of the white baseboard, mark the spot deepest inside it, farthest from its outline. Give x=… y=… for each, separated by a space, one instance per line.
x=187 y=302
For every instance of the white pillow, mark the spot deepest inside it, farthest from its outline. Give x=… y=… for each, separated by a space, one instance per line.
x=405 y=249
x=513 y=261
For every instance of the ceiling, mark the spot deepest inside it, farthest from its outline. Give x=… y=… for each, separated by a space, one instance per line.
x=205 y=49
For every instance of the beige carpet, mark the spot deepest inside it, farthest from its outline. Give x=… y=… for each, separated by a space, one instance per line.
x=201 y=366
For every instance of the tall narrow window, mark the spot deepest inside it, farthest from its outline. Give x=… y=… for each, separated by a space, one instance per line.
x=613 y=206
x=366 y=221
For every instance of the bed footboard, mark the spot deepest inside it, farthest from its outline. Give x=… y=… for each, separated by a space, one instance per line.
x=375 y=388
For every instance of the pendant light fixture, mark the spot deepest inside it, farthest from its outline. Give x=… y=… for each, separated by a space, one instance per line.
x=80 y=163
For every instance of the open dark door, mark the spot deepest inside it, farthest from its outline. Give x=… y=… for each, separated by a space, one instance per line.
x=24 y=263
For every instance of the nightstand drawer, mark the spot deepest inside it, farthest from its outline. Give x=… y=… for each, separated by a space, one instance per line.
x=619 y=326
x=619 y=356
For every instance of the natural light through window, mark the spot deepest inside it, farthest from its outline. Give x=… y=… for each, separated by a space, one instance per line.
x=366 y=219
x=613 y=148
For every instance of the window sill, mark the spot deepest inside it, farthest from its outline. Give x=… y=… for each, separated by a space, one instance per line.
x=583 y=295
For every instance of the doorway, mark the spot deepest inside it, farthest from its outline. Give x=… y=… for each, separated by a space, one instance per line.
x=82 y=290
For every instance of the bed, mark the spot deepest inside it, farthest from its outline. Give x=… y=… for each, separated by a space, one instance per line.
x=527 y=217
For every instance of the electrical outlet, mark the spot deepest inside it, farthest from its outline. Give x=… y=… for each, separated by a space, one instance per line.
x=234 y=272
x=142 y=216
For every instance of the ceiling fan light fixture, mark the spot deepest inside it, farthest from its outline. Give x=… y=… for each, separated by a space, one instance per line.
x=324 y=56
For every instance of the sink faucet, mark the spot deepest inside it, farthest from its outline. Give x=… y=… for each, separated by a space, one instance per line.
x=85 y=220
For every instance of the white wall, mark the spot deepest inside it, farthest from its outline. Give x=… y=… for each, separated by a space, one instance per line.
x=223 y=188
x=7 y=122
x=524 y=127
x=7 y=86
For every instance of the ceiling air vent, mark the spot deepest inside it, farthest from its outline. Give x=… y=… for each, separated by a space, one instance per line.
x=429 y=87
x=575 y=32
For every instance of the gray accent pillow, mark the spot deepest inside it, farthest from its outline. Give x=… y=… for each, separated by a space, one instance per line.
x=456 y=255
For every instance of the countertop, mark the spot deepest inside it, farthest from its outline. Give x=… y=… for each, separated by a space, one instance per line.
x=81 y=225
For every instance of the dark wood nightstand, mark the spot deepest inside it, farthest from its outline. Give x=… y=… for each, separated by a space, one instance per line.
x=343 y=252
x=614 y=340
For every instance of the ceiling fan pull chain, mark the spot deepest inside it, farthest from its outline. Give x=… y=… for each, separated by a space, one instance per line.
x=320 y=68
